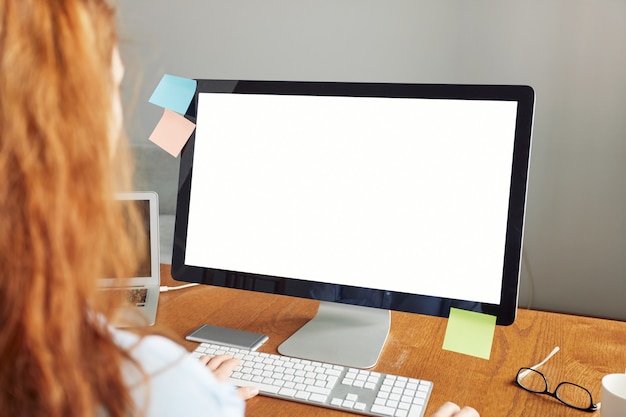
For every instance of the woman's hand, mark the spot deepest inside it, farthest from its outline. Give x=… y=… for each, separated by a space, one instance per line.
x=449 y=409
x=222 y=366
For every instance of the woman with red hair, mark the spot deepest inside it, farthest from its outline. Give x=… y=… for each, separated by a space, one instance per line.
x=62 y=158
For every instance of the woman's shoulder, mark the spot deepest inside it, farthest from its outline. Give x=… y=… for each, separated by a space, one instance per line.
x=151 y=351
x=178 y=383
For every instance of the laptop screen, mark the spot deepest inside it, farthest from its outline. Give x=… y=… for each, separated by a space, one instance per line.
x=144 y=269
x=147 y=271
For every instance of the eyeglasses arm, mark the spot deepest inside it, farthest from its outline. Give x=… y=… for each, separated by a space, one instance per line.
x=551 y=354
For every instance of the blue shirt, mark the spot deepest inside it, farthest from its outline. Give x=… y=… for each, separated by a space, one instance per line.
x=178 y=384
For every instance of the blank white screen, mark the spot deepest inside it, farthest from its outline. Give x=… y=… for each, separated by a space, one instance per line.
x=407 y=195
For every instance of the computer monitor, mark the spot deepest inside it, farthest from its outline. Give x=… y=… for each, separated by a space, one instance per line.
x=369 y=197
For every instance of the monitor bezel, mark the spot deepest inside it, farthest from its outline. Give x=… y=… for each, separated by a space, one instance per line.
x=523 y=95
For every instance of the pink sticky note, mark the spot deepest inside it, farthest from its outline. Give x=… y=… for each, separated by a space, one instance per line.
x=172 y=132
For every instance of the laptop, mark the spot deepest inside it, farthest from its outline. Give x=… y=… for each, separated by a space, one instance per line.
x=141 y=290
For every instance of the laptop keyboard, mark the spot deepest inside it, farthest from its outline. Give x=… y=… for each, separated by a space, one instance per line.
x=137 y=295
x=332 y=386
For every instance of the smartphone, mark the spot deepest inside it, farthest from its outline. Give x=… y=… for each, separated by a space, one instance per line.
x=226 y=336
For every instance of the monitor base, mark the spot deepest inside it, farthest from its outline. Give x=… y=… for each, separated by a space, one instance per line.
x=342 y=334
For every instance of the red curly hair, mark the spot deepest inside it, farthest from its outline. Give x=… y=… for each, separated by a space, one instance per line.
x=59 y=224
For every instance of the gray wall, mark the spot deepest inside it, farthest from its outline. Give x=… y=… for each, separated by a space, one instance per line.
x=573 y=52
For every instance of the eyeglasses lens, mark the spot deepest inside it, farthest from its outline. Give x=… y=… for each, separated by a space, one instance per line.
x=574 y=395
x=532 y=381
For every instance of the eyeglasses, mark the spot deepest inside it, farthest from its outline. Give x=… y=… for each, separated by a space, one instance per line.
x=570 y=394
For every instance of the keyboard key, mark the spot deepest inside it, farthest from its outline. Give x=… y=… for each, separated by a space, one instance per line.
x=384 y=410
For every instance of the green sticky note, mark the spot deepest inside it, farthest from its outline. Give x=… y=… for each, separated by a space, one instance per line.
x=470 y=333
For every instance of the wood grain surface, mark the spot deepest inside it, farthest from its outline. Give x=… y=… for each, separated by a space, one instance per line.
x=589 y=349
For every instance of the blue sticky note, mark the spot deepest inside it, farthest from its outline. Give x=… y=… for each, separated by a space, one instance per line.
x=470 y=333
x=174 y=93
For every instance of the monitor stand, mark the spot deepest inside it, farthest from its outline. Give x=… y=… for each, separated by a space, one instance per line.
x=341 y=334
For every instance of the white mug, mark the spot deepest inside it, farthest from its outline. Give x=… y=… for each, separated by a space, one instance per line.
x=613 y=397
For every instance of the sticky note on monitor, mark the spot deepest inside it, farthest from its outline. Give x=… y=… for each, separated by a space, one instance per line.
x=174 y=93
x=172 y=132
x=470 y=333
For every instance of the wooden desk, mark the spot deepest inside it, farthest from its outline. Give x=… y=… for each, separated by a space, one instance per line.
x=590 y=348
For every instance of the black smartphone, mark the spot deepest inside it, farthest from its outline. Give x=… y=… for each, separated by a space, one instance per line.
x=228 y=337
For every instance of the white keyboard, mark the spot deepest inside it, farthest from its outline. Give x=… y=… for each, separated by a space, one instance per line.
x=333 y=386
